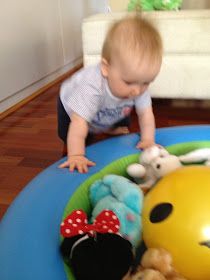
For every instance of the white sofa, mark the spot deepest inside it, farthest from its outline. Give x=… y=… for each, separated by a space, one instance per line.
x=185 y=71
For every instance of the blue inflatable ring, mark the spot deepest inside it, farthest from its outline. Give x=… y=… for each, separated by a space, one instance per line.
x=29 y=231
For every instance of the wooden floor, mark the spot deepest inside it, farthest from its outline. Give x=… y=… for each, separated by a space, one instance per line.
x=29 y=142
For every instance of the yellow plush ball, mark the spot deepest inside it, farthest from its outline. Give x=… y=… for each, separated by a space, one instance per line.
x=176 y=217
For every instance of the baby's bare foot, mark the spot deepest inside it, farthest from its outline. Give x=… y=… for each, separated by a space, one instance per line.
x=118 y=130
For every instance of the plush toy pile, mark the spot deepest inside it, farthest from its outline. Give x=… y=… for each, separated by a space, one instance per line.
x=150 y=5
x=104 y=247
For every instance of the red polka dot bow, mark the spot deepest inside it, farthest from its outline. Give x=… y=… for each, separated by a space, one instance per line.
x=76 y=223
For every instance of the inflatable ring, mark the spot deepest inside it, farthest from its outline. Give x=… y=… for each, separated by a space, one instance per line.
x=29 y=231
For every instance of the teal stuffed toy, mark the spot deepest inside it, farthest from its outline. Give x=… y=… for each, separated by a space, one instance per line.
x=150 y=5
x=125 y=199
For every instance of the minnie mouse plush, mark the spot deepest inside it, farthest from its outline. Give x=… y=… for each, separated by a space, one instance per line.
x=96 y=251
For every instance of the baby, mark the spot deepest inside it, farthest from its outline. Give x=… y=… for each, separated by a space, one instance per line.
x=100 y=98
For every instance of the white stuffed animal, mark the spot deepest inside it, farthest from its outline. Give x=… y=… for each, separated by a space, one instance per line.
x=155 y=162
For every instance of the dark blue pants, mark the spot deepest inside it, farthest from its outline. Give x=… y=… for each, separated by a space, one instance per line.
x=64 y=121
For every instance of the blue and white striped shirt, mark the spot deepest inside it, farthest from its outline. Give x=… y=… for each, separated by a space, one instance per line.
x=87 y=93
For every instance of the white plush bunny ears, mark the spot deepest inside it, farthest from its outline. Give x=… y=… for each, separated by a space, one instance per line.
x=199 y=155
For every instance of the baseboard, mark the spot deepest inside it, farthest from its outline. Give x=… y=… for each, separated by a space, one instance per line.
x=13 y=103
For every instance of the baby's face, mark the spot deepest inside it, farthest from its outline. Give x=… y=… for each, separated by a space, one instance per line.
x=128 y=79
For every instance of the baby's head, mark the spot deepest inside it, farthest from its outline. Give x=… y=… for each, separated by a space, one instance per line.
x=131 y=56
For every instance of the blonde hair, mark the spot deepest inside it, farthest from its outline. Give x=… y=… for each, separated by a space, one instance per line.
x=132 y=35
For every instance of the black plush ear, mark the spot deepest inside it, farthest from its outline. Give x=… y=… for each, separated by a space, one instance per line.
x=105 y=256
x=66 y=246
x=84 y=261
x=116 y=256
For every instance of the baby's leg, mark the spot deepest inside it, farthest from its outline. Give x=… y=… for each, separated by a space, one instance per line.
x=63 y=121
x=118 y=130
x=121 y=127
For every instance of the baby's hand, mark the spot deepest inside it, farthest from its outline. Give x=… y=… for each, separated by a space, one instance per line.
x=145 y=144
x=81 y=163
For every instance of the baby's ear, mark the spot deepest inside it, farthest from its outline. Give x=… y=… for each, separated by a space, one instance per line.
x=104 y=67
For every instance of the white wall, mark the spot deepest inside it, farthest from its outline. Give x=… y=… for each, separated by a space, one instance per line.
x=40 y=40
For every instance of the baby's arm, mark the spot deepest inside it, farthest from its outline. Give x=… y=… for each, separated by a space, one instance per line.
x=147 y=127
x=77 y=133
